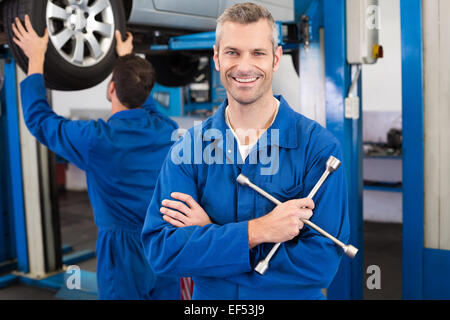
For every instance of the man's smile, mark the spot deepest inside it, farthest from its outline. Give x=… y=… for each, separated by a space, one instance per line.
x=246 y=80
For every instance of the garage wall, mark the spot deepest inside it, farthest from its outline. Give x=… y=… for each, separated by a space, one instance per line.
x=94 y=99
x=287 y=83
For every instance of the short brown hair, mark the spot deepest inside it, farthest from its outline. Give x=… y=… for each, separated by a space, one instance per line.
x=246 y=13
x=134 y=78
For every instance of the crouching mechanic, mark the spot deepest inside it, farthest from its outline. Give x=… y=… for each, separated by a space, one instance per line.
x=202 y=223
x=122 y=158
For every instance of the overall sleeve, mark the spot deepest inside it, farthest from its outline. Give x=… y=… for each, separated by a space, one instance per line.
x=310 y=260
x=69 y=139
x=212 y=250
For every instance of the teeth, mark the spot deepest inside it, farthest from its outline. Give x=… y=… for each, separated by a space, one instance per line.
x=245 y=79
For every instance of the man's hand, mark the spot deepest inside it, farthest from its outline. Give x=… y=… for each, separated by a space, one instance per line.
x=281 y=224
x=32 y=45
x=124 y=47
x=191 y=214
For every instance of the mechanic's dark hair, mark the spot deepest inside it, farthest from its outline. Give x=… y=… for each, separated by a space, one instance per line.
x=134 y=78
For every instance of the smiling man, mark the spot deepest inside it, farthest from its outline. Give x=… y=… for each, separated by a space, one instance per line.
x=202 y=223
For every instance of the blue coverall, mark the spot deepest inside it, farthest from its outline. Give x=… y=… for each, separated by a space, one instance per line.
x=122 y=158
x=217 y=255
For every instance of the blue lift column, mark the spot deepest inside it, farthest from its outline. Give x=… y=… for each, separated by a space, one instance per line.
x=8 y=259
x=12 y=196
x=413 y=151
x=331 y=16
x=348 y=283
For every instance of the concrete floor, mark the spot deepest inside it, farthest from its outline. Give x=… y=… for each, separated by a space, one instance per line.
x=77 y=230
x=382 y=247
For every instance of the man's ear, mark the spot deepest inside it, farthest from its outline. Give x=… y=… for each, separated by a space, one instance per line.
x=277 y=58
x=111 y=88
x=216 y=58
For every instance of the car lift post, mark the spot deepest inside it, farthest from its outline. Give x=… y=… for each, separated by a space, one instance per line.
x=37 y=256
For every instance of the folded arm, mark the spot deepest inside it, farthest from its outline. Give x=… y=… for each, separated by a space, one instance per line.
x=211 y=250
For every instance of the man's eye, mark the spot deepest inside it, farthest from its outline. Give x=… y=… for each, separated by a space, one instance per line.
x=259 y=53
x=231 y=53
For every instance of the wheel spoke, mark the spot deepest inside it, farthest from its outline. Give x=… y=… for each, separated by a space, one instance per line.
x=98 y=7
x=61 y=38
x=102 y=28
x=78 y=53
x=55 y=12
x=93 y=45
x=80 y=3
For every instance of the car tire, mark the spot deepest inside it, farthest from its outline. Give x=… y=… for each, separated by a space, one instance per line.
x=175 y=69
x=88 y=66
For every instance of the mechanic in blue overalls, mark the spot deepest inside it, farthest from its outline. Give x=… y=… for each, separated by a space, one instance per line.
x=202 y=223
x=122 y=158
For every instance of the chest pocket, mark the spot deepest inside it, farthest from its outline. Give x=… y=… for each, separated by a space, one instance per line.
x=282 y=193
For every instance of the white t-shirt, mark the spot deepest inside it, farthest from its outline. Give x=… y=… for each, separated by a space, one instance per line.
x=244 y=149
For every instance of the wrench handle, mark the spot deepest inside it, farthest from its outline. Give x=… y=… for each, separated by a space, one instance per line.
x=264 y=193
x=319 y=183
x=315 y=227
x=307 y=222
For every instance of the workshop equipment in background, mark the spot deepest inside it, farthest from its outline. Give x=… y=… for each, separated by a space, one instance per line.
x=392 y=147
x=394 y=139
x=363 y=25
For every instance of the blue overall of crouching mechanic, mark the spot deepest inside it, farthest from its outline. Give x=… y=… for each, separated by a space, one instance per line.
x=202 y=223
x=122 y=158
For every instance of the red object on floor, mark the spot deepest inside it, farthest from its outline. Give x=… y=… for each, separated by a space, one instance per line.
x=187 y=287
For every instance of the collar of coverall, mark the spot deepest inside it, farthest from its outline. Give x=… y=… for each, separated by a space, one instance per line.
x=285 y=122
x=129 y=114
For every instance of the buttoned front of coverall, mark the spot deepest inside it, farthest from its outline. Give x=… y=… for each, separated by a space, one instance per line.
x=122 y=158
x=217 y=255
